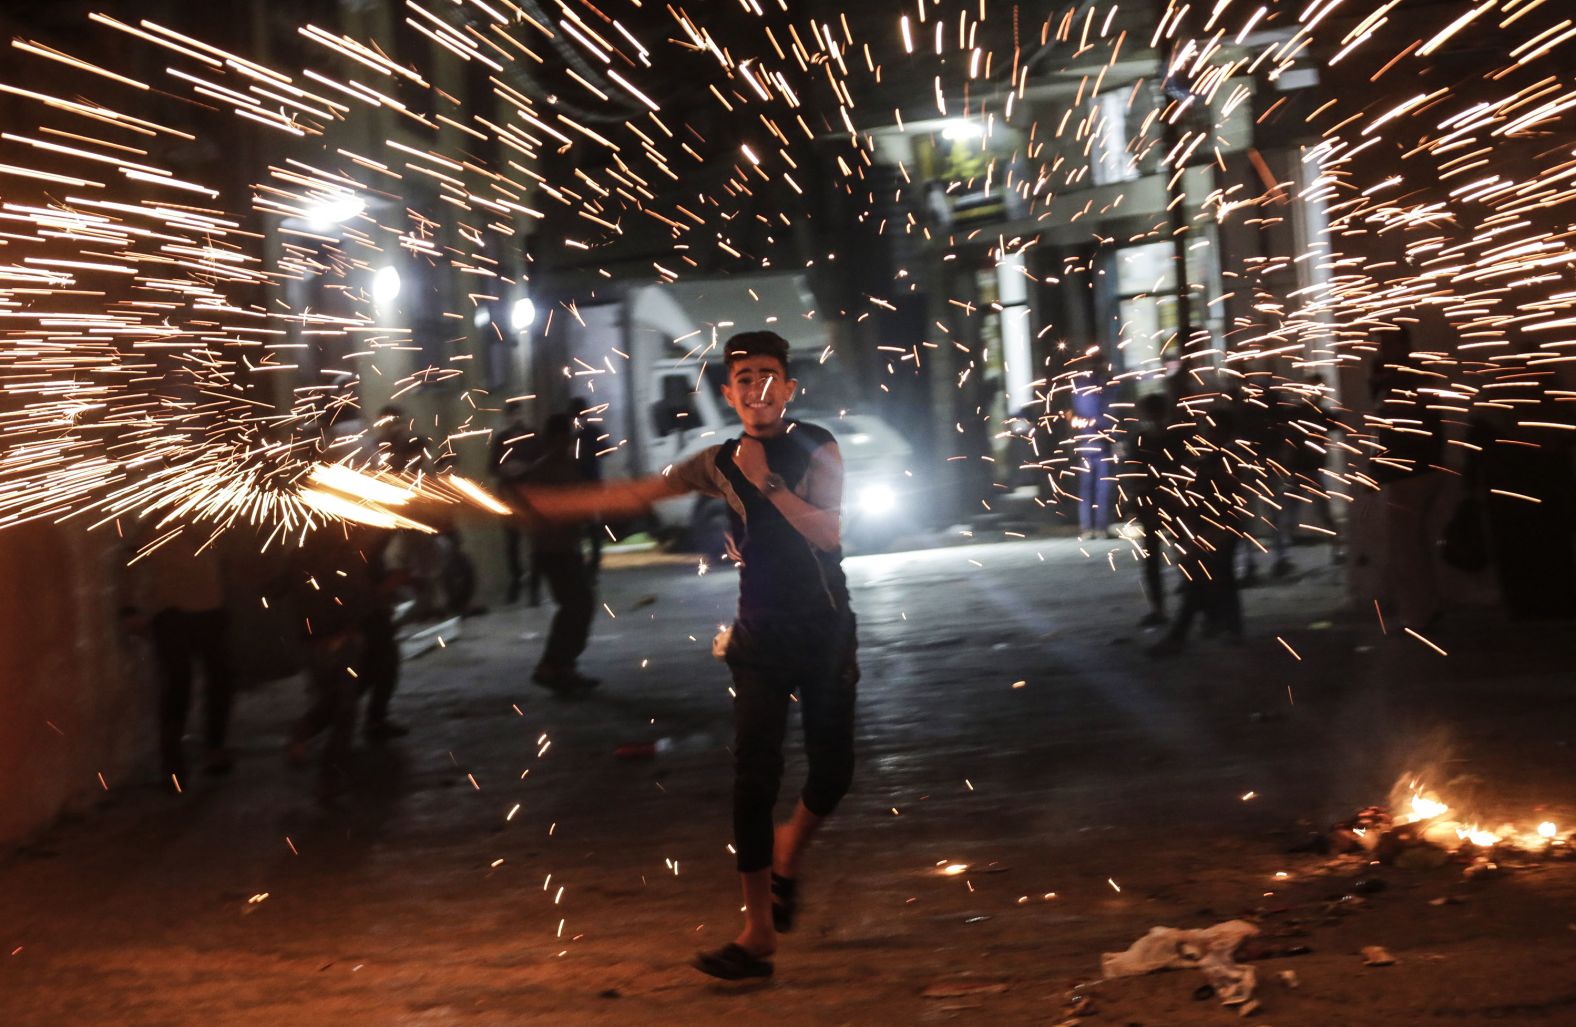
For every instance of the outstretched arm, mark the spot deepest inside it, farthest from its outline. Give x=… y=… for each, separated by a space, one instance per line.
x=606 y=501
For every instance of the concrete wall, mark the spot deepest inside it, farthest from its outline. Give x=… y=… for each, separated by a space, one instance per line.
x=74 y=698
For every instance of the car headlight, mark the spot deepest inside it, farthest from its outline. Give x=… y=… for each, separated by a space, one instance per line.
x=877 y=500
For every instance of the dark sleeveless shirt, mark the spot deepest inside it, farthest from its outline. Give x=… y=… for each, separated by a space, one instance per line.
x=781 y=574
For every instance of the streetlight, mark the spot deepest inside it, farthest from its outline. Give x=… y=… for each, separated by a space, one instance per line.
x=957 y=129
x=385 y=286
x=522 y=314
x=334 y=210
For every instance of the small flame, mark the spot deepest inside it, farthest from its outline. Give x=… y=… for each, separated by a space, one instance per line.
x=1424 y=808
x=954 y=869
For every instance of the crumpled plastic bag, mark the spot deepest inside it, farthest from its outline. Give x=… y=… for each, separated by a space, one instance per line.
x=1210 y=950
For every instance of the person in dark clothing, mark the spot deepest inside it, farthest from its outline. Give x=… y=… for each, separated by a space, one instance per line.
x=513 y=450
x=1092 y=458
x=1530 y=538
x=1407 y=469
x=1255 y=437
x=1210 y=528
x=179 y=603
x=794 y=633
x=587 y=445
x=1279 y=459
x=1149 y=460
x=1311 y=430
x=380 y=652
x=343 y=599
x=399 y=448
x=555 y=553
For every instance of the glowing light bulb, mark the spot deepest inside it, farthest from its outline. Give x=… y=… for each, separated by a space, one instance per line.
x=385 y=285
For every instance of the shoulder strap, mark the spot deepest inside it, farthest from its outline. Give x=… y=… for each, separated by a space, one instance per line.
x=723 y=461
x=732 y=478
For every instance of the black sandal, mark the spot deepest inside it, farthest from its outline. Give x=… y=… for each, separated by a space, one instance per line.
x=785 y=903
x=732 y=962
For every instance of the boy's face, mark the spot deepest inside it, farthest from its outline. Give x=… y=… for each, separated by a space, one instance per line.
x=759 y=389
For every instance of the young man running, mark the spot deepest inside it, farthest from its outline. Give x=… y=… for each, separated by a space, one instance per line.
x=783 y=483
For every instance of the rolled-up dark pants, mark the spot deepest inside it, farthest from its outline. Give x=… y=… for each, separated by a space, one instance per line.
x=335 y=692
x=379 y=664
x=771 y=659
x=1154 y=585
x=179 y=638
x=570 y=586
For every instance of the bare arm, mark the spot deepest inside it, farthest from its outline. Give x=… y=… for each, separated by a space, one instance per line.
x=611 y=500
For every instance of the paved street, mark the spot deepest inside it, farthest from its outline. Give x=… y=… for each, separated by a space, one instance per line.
x=426 y=897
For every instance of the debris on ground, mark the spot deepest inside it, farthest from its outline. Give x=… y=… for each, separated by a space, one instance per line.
x=1377 y=955
x=963 y=988
x=1211 y=950
x=1283 y=943
x=1480 y=870
x=1289 y=978
x=1078 y=1009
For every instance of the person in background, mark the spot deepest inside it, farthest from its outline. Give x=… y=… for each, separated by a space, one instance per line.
x=1210 y=530
x=1311 y=432
x=342 y=599
x=380 y=657
x=1411 y=481
x=555 y=553
x=1531 y=542
x=587 y=445
x=398 y=447
x=513 y=450
x=400 y=450
x=1256 y=439
x=1092 y=460
x=178 y=601
x=1150 y=458
x=1282 y=457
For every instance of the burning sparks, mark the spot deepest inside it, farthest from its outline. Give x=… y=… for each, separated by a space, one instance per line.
x=166 y=391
